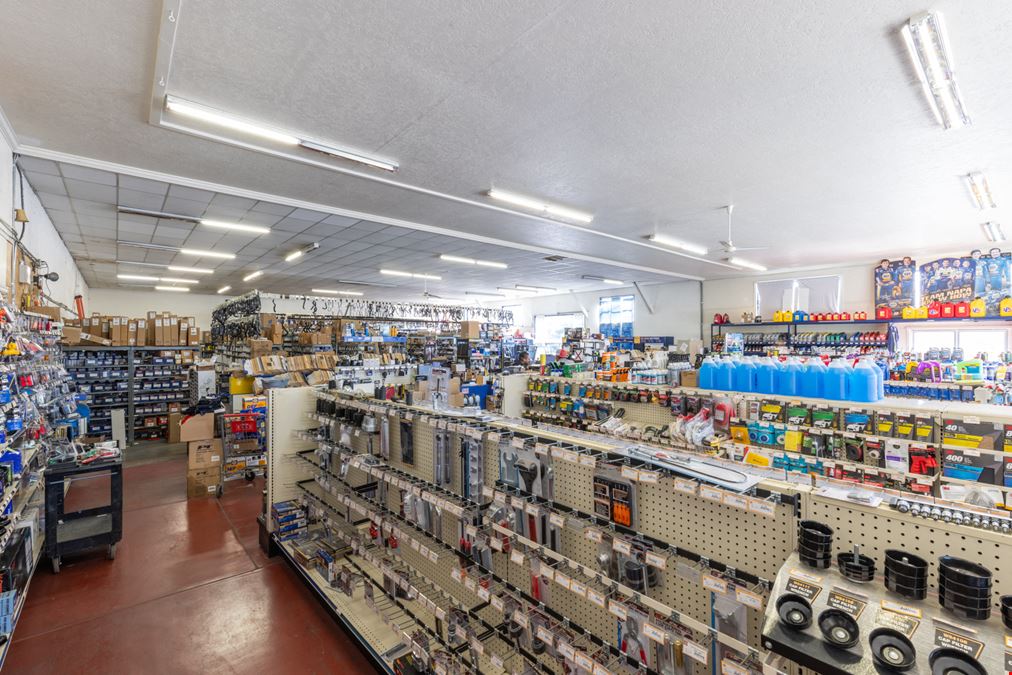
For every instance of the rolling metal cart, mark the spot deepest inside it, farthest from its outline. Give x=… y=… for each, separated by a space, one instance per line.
x=87 y=529
x=244 y=443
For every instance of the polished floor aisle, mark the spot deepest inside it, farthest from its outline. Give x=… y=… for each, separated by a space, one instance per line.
x=189 y=592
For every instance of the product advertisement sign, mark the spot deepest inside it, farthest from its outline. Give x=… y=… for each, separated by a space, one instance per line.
x=948 y=280
x=992 y=278
x=894 y=284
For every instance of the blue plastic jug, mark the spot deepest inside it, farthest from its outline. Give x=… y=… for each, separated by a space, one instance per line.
x=706 y=373
x=723 y=376
x=836 y=380
x=766 y=376
x=744 y=375
x=810 y=383
x=787 y=378
x=863 y=383
x=884 y=372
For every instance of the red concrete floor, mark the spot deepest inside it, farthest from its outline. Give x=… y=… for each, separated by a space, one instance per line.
x=189 y=592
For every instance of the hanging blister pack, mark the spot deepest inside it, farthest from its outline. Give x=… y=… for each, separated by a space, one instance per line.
x=407 y=443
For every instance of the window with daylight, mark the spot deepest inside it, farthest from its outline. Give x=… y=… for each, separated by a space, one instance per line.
x=814 y=295
x=615 y=316
x=973 y=341
x=550 y=330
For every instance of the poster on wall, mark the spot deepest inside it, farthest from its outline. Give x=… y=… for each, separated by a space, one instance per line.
x=894 y=284
x=948 y=280
x=992 y=277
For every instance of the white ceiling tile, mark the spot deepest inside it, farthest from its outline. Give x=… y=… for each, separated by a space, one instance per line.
x=291 y=225
x=273 y=209
x=340 y=220
x=306 y=214
x=86 y=206
x=232 y=202
x=61 y=218
x=51 y=201
x=72 y=171
x=184 y=207
x=88 y=220
x=191 y=194
x=137 y=199
x=36 y=165
x=143 y=185
x=44 y=182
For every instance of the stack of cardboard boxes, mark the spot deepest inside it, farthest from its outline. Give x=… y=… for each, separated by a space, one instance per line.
x=203 y=475
x=159 y=329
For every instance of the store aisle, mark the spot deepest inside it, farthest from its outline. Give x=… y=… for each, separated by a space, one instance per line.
x=190 y=591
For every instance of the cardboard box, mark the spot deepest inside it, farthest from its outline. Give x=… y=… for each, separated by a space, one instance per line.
x=244 y=447
x=259 y=347
x=202 y=482
x=193 y=339
x=689 y=378
x=172 y=332
x=204 y=454
x=172 y=428
x=142 y=332
x=196 y=428
x=71 y=335
x=183 y=338
x=132 y=333
x=469 y=330
x=157 y=333
x=52 y=312
x=95 y=340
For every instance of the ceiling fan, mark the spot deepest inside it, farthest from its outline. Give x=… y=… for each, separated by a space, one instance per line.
x=728 y=244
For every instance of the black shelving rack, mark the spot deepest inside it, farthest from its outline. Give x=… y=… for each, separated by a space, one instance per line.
x=130 y=372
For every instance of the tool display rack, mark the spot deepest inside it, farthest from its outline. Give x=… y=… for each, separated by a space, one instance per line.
x=22 y=498
x=713 y=546
x=132 y=382
x=650 y=417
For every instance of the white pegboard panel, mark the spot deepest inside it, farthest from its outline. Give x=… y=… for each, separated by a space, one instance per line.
x=877 y=529
x=287 y=412
x=639 y=414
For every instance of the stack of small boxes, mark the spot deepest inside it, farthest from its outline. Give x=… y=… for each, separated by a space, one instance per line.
x=158 y=329
x=203 y=475
x=289 y=519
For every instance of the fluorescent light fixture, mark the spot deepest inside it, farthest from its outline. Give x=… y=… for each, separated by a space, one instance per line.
x=980 y=190
x=173 y=289
x=510 y=291
x=141 y=244
x=386 y=165
x=473 y=261
x=191 y=270
x=413 y=275
x=993 y=231
x=928 y=45
x=533 y=289
x=224 y=289
x=222 y=119
x=543 y=207
x=179 y=280
x=136 y=277
x=238 y=227
x=295 y=255
x=748 y=264
x=207 y=254
x=327 y=291
x=485 y=295
x=681 y=245
x=163 y=215
x=613 y=282
x=253 y=275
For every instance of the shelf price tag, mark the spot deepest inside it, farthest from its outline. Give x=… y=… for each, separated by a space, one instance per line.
x=711 y=494
x=695 y=651
x=684 y=486
x=762 y=507
x=516 y=557
x=593 y=534
x=617 y=609
x=557 y=520
x=621 y=546
x=654 y=633
x=735 y=500
x=588 y=461
x=715 y=584
x=630 y=473
x=655 y=560
x=748 y=598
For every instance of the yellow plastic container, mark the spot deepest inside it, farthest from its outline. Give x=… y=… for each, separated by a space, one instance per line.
x=978 y=307
x=240 y=384
x=922 y=312
x=909 y=312
x=1005 y=307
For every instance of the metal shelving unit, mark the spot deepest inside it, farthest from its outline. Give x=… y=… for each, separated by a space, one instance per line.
x=132 y=368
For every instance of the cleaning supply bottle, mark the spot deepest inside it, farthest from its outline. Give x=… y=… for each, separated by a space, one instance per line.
x=862 y=382
x=706 y=373
x=810 y=383
x=766 y=376
x=744 y=375
x=787 y=377
x=835 y=381
x=723 y=375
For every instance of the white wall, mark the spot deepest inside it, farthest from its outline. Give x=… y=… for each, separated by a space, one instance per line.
x=675 y=308
x=737 y=295
x=137 y=303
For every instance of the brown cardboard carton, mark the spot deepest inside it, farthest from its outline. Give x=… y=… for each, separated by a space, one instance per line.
x=259 y=347
x=204 y=453
x=95 y=340
x=152 y=315
x=196 y=428
x=689 y=378
x=172 y=332
x=202 y=482
x=193 y=339
x=71 y=335
x=469 y=330
x=184 y=334
x=142 y=332
x=172 y=433
x=52 y=312
x=158 y=335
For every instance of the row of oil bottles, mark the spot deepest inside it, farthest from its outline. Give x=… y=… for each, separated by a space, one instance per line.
x=841 y=380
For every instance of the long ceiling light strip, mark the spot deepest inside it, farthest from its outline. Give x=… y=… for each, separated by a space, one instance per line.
x=412 y=275
x=328 y=291
x=223 y=289
x=207 y=222
x=928 y=45
x=676 y=243
x=980 y=190
x=473 y=261
x=172 y=280
x=171 y=268
x=533 y=289
x=993 y=231
x=253 y=275
x=747 y=264
x=229 y=121
x=613 y=282
x=207 y=254
x=185 y=251
x=545 y=208
x=298 y=253
x=174 y=289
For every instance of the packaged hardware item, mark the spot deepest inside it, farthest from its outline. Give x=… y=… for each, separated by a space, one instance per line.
x=978 y=467
x=977 y=435
x=824 y=418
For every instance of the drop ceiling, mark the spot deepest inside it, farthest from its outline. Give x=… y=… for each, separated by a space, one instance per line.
x=808 y=117
x=83 y=204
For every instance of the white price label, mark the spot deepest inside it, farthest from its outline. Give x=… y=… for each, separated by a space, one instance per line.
x=477 y=646
x=595 y=597
x=654 y=633
x=655 y=560
x=545 y=636
x=593 y=534
x=495 y=543
x=630 y=473
x=558 y=453
x=585 y=662
x=487 y=492
x=517 y=443
x=540 y=449
x=621 y=546
x=684 y=486
x=532 y=510
x=731 y=668
x=762 y=507
x=577 y=588
x=696 y=652
x=566 y=650
x=562 y=579
x=649 y=476
x=557 y=520
x=497 y=603
x=470 y=585
x=521 y=618
x=712 y=494
x=601 y=670
x=748 y=598
x=571 y=457
x=456 y=575
x=516 y=557
x=715 y=584
x=735 y=501
x=497 y=661
x=484 y=593
x=588 y=461
x=618 y=609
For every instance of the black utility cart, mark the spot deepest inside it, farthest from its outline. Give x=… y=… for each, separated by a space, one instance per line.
x=87 y=529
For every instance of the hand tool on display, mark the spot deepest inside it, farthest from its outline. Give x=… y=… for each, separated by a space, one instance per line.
x=709 y=472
